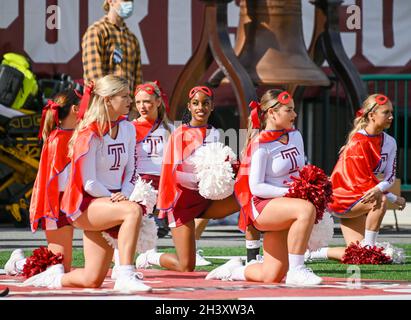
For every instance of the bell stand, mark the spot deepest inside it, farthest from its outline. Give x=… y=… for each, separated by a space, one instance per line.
x=214 y=45
x=326 y=44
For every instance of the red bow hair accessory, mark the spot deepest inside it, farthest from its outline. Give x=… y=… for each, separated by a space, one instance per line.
x=359 y=113
x=85 y=100
x=163 y=96
x=284 y=97
x=255 y=120
x=53 y=106
x=206 y=90
x=381 y=99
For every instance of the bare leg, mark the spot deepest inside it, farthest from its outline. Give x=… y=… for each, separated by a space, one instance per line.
x=220 y=209
x=362 y=217
x=103 y=214
x=275 y=264
x=200 y=225
x=295 y=215
x=251 y=233
x=184 y=242
x=61 y=241
x=97 y=257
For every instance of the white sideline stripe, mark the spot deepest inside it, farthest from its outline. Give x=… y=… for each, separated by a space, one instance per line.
x=225 y=257
x=73 y=297
x=371 y=297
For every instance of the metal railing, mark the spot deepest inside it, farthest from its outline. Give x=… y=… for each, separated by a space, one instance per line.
x=326 y=118
x=395 y=86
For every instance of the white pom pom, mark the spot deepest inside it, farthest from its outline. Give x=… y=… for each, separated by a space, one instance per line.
x=145 y=194
x=397 y=255
x=111 y=241
x=214 y=172
x=322 y=233
x=147 y=238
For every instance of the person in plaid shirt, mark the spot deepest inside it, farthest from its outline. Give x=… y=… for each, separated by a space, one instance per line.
x=109 y=47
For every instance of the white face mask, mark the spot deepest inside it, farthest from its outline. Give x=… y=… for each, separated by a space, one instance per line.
x=126 y=9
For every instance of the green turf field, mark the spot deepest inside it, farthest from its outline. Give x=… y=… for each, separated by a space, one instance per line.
x=324 y=269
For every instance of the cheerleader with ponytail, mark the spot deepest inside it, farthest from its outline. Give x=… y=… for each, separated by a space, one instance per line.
x=101 y=182
x=273 y=155
x=359 y=197
x=179 y=197
x=59 y=118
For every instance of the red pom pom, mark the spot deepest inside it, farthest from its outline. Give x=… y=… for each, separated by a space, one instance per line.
x=312 y=185
x=40 y=260
x=357 y=254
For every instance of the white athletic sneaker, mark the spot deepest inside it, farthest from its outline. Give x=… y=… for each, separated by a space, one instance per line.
x=200 y=261
x=10 y=267
x=307 y=256
x=130 y=284
x=302 y=276
x=114 y=274
x=142 y=259
x=224 y=271
x=48 y=278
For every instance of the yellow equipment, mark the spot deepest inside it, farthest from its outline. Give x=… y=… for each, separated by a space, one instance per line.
x=19 y=153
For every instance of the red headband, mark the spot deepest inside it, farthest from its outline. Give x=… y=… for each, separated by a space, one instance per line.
x=85 y=100
x=145 y=87
x=206 y=90
x=53 y=106
x=379 y=100
x=255 y=120
x=284 y=97
x=150 y=89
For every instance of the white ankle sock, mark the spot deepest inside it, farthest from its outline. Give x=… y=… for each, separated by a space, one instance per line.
x=295 y=260
x=153 y=257
x=238 y=274
x=116 y=257
x=20 y=264
x=124 y=270
x=319 y=254
x=370 y=237
x=252 y=244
